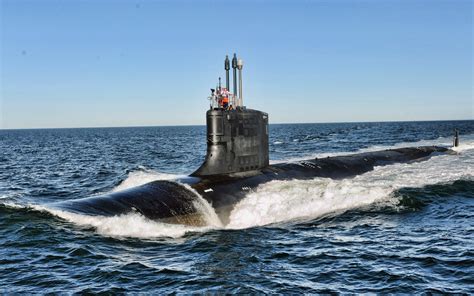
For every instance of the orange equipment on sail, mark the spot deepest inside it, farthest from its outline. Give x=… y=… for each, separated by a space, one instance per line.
x=225 y=102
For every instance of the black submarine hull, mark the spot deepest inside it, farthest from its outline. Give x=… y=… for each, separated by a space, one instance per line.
x=179 y=201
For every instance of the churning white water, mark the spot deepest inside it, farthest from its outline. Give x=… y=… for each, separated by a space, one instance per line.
x=280 y=201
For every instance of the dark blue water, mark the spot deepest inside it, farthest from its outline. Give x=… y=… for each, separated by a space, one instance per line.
x=399 y=229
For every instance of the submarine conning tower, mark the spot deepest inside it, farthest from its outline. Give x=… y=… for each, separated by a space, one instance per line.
x=237 y=137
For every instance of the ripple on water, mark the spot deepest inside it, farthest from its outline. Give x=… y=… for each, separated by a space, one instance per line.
x=415 y=235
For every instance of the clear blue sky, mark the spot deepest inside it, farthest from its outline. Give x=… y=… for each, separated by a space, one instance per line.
x=124 y=63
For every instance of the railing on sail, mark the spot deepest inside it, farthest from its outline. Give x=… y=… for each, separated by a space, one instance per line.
x=217 y=103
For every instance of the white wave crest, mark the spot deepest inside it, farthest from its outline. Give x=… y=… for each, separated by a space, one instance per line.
x=279 y=201
x=135 y=224
x=205 y=209
x=128 y=225
x=466 y=143
x=138 y=178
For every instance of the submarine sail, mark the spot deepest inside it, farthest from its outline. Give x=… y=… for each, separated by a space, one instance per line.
x=237 y=137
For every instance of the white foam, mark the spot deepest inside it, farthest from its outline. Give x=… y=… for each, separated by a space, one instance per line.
x=13 y=205
x=135 y=224
x=467 y=143
x=279 y=201
x=144 y=176
x=464 y=147
x=129 y=225
x=205 y=209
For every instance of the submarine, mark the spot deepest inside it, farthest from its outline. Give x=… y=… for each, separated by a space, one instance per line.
x=236 y=162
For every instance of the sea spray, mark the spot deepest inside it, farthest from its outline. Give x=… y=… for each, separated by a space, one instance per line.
x=279 y=201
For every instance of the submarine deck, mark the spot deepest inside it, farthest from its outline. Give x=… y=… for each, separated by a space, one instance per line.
x=165 y=200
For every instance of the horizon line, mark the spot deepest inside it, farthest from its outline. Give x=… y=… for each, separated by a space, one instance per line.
x=184 y=125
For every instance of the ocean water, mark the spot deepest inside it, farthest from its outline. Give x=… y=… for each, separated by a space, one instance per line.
x=404 y=228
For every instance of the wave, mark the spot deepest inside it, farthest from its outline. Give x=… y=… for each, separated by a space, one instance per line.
x=132 y=224
x=466 y=143
x=279 y=201
x=282 y=201
x=129 y=225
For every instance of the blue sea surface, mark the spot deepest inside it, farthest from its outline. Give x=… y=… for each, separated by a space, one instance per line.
x=404 y=228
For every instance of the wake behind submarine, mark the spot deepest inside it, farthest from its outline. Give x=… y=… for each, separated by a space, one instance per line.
x=237 y=161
